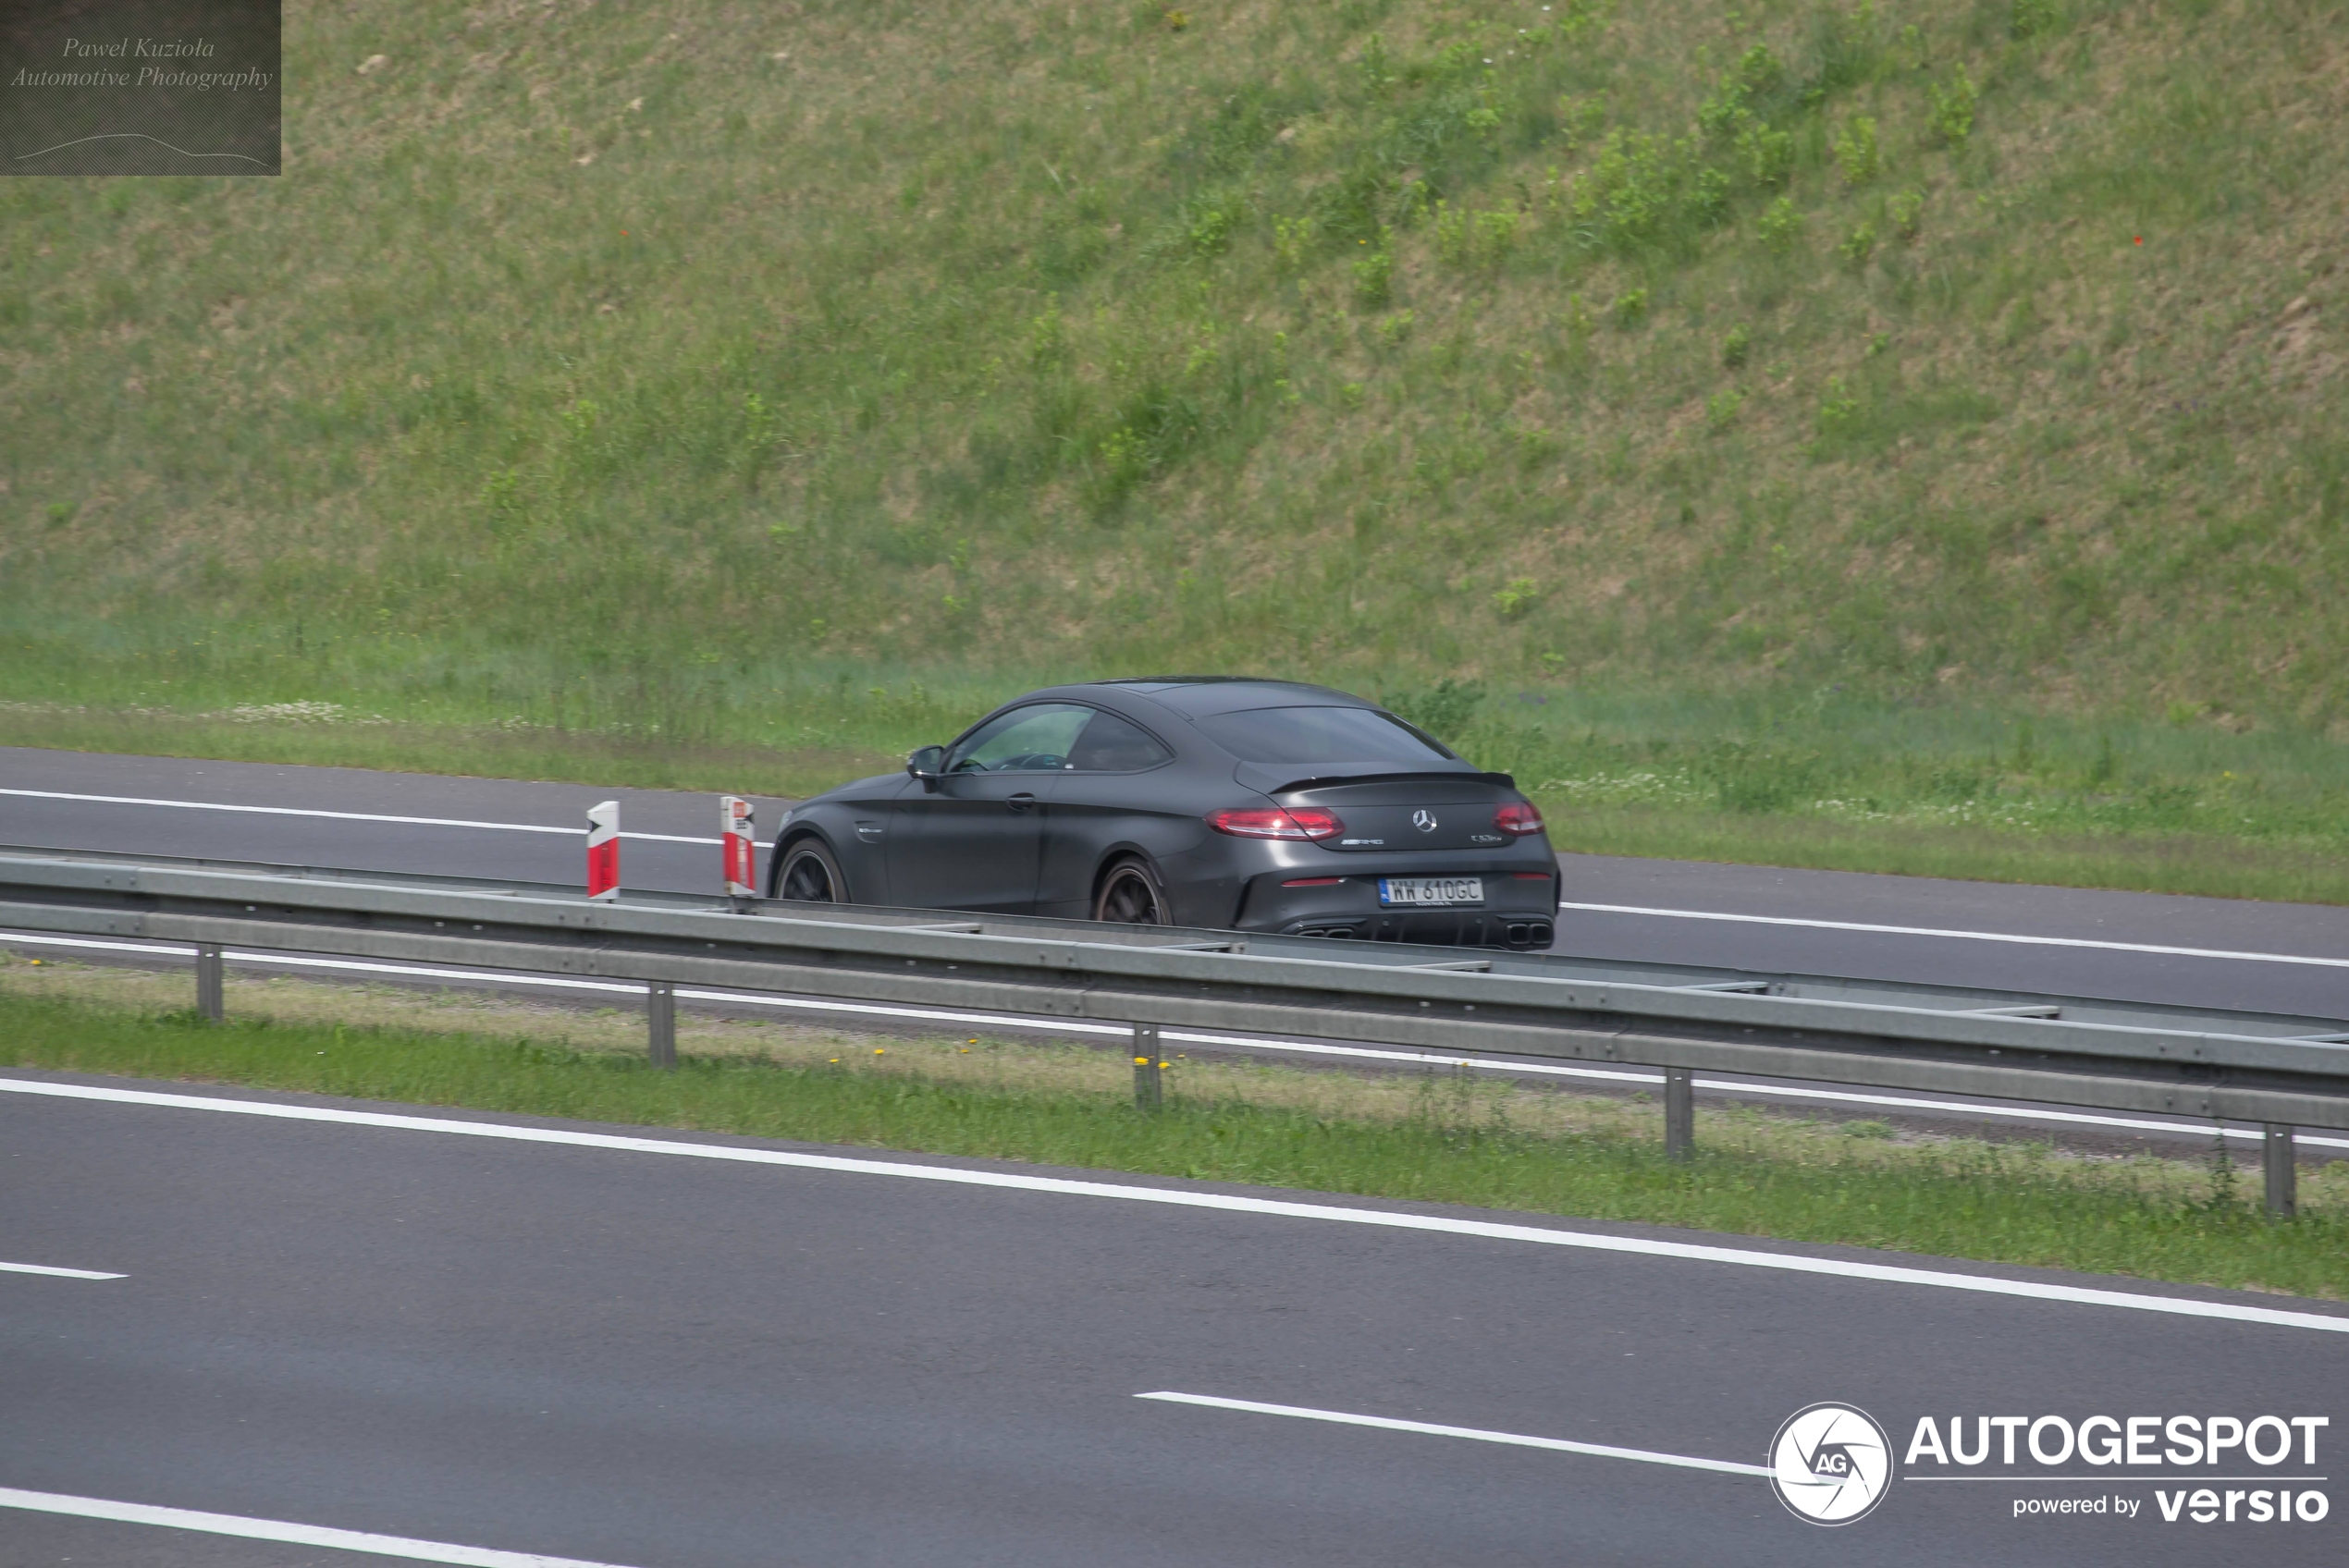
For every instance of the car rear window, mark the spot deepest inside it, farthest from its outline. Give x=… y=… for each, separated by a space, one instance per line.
x=1320 y=734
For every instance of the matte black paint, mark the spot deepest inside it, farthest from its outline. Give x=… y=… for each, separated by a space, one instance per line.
x=1040 y=841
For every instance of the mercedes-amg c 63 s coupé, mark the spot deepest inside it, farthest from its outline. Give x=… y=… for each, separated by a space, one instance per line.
x=1203 y=801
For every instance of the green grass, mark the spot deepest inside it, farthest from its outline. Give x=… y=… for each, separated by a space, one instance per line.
x=487 y=751
x=1959 y=1200
x=619 y=393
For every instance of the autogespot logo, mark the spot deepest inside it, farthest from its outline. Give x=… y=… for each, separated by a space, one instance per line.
x=1830 y=1463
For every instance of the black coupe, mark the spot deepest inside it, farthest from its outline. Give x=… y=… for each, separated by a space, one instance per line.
x=1204 y=801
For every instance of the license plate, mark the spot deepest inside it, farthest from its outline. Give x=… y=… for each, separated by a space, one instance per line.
x=1429 y=893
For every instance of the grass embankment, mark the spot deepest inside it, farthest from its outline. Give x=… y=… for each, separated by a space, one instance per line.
x=1433 y=1138
x=605 y=372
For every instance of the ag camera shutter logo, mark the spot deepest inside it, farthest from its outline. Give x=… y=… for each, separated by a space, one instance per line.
x=1830 y=1463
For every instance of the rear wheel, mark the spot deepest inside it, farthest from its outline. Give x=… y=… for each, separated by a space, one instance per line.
x=1130 y=895
x=810 y=875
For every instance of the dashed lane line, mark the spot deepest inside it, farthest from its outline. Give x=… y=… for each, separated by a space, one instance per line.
x=1429 y=1428
x=283 y=1530
x=57 y=1273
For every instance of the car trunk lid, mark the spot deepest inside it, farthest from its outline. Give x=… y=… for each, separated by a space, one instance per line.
x=1409 y=812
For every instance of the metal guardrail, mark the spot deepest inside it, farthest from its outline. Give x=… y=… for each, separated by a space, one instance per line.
x=2282 y=1071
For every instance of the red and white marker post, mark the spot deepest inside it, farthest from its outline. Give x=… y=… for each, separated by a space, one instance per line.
x=603 y=850
x=741 y=845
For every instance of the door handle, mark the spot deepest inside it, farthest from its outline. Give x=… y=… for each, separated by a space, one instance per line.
x=1021 y=801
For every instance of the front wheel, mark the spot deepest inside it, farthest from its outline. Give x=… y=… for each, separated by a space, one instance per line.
x=810 y=875
x=1130 y=895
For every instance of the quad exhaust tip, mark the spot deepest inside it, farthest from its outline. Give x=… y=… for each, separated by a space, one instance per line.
x=1514 y=934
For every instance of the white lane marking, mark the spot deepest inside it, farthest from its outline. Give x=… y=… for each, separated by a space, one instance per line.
x=25 y=938
x=348 y=815
x=282 y=1530
x=1591 y=909
x=1234 y=1041
x=1177 y=1197
x=1966 y=935
x=1386 y=1423
x=60 y=1273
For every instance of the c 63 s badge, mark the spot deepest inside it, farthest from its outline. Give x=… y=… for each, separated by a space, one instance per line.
x=1830 y=1463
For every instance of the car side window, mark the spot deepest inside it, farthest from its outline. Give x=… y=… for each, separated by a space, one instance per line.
x=1111 y=745
x=1030 y=739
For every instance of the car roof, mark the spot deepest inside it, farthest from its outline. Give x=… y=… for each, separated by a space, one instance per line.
x=1197 y=695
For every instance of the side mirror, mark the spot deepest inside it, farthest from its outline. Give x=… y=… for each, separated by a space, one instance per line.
x=927 y=765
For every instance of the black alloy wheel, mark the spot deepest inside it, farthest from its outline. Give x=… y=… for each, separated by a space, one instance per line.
x=1130 y=896
x=811 y=876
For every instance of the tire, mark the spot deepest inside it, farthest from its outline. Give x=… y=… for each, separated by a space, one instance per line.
x=1130 y=895
x=810 y=874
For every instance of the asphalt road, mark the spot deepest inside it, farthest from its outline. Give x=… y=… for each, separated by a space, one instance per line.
x=663 y=1361
x=1601 y=892
x=2197 y=951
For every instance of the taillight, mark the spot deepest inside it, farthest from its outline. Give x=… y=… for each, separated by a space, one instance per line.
x=1272 y=822
x=1517 y=817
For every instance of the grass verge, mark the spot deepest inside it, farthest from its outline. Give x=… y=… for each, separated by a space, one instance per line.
x=576 y=757
x=2207 y=865
x=1433 y=1138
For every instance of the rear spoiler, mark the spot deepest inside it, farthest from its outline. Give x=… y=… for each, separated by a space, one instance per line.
x=1279 y=779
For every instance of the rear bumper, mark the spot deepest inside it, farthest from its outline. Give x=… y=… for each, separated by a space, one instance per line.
x=1518 y=911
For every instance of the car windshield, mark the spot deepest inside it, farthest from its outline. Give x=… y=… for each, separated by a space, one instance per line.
x=1320 y=734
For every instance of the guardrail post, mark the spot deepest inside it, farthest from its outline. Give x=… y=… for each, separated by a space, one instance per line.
x=660 y=1016
x=2282 y=1171
x=1149 y=1089
x=1679 y=1114
x=212 y=1002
